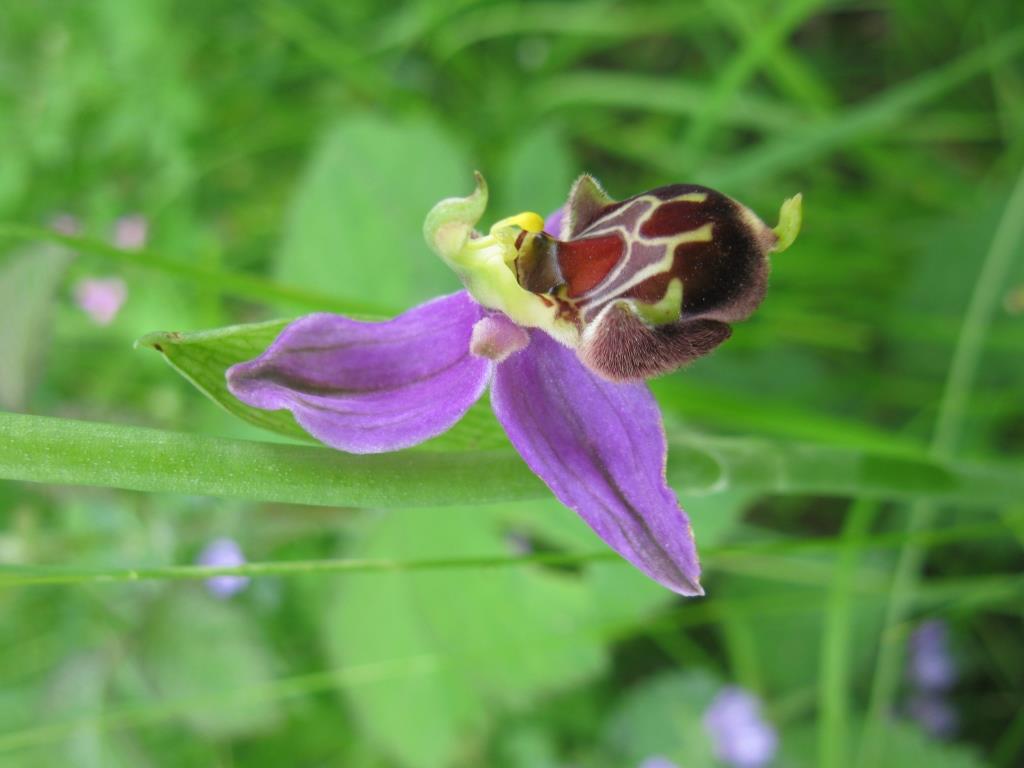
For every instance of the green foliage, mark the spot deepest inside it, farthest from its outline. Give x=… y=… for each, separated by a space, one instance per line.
x=355 y=226
x=478 y=641
x=208 y=657
x=536 y=172
x=29 y=280
x=46 y=450
x=663 y=716
x=851 y=459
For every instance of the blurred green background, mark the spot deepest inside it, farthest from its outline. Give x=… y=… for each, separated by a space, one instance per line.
x=304 y=142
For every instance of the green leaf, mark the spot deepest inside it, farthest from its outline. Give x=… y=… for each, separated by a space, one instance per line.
x=488 y=640
x=663 y=716
x=356 y=222
x=204 y=357
x=199 y=649
x=28 y=284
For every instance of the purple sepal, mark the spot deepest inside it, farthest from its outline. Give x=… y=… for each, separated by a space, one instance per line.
x=371 y=387
x=600 y=447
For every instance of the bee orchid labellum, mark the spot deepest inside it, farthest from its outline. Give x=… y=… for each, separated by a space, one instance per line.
x=637 y=287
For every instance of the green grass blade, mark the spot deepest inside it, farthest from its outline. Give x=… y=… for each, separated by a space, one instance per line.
x=834 y=684
x=62 y=451
x=593 y=20
x=995 y=271
x=659 y=96
x=757 y=50
x=766 y=558
x=785 y=67
x=41 y=449
x=798 y=148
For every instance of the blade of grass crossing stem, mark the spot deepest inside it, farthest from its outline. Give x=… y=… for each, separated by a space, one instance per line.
x=757 y=49
x=798 y=148
x=834 y=680
x=995 y=271
x=785 y=67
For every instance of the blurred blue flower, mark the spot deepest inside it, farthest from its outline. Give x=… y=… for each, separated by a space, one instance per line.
x=932 y=672
x=657 y=761
x=223 y=553
x=931 y=667
x=934 y=713
x=741 y=736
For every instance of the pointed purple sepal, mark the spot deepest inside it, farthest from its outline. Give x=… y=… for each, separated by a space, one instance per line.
x=371 y=387
x=601 y=448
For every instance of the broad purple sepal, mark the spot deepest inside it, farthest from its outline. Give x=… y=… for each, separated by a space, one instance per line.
x=600 y=447
x=371 y=387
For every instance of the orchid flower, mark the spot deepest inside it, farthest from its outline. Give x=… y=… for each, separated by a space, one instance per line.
x=565 y=327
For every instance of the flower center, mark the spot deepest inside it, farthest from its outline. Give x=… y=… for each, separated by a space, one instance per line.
x=487 y=263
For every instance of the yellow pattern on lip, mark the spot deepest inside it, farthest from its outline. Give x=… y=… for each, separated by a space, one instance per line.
x=527 y=220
